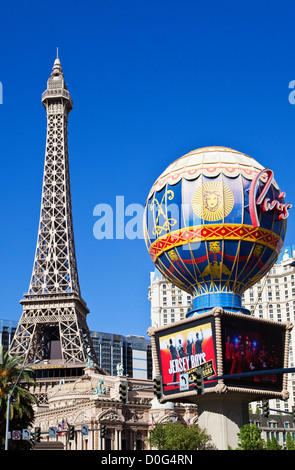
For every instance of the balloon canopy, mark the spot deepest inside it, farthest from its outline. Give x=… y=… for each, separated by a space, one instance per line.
x=214 y=225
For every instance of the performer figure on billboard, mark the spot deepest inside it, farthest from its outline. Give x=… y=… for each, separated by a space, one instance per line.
x=189 y=351
x=173 y=353
x=180 y=349
x=198 y=342
x=229 y=354
x=241 y=361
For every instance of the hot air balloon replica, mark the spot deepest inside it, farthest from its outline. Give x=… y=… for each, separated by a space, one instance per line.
x=215 y=223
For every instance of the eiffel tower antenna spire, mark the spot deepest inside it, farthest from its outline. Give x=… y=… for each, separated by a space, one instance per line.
x=53 y=323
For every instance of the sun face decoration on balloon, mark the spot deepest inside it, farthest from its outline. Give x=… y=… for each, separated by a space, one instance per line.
x=214 y=224
x=212 y=201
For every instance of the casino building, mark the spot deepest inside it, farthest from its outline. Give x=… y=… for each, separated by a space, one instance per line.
x=93 y=400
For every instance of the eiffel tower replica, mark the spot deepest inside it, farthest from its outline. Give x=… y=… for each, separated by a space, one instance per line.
x=53 y=327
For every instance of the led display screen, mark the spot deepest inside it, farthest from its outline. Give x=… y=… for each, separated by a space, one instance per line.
x=250 y=346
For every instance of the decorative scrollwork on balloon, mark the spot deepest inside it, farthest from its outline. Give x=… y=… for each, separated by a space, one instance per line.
x=168 y=221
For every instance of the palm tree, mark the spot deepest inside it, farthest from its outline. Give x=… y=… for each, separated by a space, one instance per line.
x=14 y=381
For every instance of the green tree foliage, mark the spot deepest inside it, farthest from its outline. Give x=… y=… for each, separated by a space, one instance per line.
x=290 y=444
x=21 y=411
x=272 y=444
x=178 y=436
x=250 y=438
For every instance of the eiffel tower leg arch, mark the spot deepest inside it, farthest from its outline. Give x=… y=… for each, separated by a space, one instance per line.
x=54 y=330
x=23 y=341
x=75 y=341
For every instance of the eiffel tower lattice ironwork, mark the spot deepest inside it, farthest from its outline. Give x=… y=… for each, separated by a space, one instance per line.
x=53 y=323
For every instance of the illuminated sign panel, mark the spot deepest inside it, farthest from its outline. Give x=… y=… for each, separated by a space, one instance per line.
x=250 y=346
x=183 y=350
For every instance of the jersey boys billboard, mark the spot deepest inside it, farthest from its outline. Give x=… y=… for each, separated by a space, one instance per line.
x=183 y=351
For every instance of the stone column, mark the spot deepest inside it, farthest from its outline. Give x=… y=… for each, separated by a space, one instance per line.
x=118 y=438
x=131 y=439
x=222 y=418
x=97 y=439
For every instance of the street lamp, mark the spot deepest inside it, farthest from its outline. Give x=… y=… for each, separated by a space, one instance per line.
x=8 y=402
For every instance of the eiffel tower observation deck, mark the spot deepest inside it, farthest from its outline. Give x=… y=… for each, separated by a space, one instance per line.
x=53 y=327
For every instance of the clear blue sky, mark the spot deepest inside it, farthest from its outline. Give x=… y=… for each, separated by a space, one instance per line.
x=151 y=81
